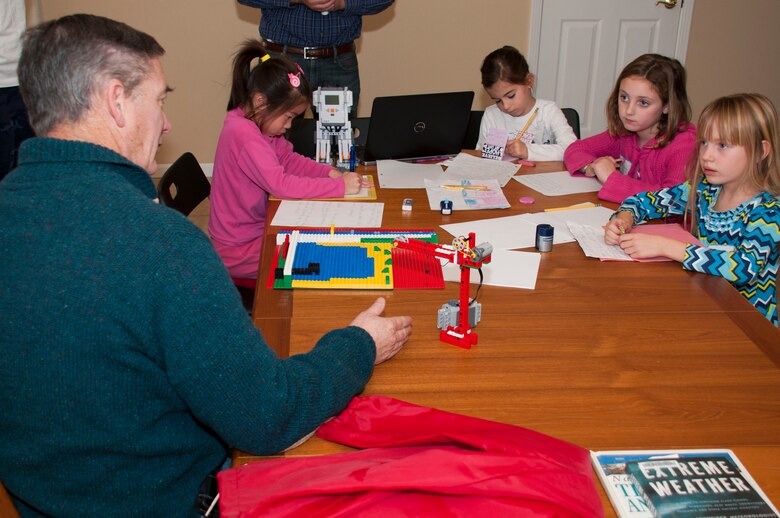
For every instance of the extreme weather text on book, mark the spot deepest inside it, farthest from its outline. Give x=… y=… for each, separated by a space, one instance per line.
x=703 y=482
x=699 y=486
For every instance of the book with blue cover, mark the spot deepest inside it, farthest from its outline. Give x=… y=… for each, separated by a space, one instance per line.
x=663 y=483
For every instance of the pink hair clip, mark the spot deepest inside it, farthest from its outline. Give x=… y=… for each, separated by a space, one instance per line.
x=299 y=68
x=295 y=80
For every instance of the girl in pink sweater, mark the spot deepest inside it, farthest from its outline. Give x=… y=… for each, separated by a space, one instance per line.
x=253 y=158
x=649 y=139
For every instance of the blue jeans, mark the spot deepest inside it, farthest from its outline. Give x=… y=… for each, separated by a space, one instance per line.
x=340 y=70
x=14 y=127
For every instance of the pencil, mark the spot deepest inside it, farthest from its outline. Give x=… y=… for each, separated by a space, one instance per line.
x=459 y=187
x=585 y=205
x=528 y=123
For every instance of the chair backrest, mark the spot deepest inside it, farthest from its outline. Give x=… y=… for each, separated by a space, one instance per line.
x=184 y=185
x=301 y=134
x=472 y=129
x=573 y=118
x=360 y=130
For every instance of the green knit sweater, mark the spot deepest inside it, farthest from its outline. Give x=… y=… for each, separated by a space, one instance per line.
x=129 y=364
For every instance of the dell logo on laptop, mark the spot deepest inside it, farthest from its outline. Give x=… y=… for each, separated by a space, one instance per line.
x=419 y=127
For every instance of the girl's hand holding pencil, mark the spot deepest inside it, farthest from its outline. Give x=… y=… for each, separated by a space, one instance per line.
x=617 y=226
x=517 y=147
x=527 y=124
x=352 y=183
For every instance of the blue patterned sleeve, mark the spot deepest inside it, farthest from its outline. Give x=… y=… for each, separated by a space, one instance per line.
x=747 y=261
x=658 y=204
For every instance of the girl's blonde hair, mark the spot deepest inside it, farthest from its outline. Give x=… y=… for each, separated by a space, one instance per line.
x=746 y=120
x=667 y=75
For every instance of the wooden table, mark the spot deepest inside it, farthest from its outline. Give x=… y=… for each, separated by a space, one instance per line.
x=607 y=355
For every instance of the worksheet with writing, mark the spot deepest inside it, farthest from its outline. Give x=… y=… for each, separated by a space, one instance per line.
x=342 y=214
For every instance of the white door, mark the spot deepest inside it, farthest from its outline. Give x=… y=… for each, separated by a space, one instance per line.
x=578 y=48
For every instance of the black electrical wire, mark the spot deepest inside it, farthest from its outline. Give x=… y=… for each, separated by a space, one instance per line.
x=479 y=287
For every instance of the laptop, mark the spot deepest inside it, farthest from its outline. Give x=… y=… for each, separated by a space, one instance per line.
x=418 y=126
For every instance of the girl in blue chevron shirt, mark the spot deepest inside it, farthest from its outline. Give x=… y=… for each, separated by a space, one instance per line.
x=734 y=209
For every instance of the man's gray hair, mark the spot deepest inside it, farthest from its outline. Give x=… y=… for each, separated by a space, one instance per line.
x=65 y=61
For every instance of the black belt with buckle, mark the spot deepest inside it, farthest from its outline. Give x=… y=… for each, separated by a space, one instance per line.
x=310 y=52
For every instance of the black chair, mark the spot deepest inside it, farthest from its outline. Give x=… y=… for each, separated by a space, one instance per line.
x=573 y=118
x=472 y=130
x=301 y=134
x=360 y=130
x=184 y=185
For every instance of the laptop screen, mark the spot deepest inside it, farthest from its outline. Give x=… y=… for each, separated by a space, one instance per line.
x=417 y=126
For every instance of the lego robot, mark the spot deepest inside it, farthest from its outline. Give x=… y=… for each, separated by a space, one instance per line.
x=456 y=317
x=333 y=106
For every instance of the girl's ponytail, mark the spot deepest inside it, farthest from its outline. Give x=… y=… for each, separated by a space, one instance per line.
x=240 y=94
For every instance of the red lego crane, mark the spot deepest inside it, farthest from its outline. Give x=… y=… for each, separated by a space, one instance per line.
x=456 y=317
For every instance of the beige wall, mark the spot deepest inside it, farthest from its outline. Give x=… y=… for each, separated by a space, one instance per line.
x=416 y=46
x=733 y=47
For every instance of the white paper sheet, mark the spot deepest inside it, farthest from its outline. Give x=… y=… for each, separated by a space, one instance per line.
x=394 y=174
x=520 y=231
x=468 y=166
x=591 y=239
x=506 y=268
x=593 y=216
x=503 y=233
x=466 y=199
x=559 y=183
x=342 y=214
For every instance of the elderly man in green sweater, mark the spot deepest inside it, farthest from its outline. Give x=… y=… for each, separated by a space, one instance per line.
x=129 y=364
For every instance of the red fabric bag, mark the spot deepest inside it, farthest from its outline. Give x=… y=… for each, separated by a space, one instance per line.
x=418 y=461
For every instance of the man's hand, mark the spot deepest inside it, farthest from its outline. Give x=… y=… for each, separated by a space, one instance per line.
x=323 y=5
x=389 y=333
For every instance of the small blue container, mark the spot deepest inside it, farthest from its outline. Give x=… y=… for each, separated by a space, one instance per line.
x=544 y=237
x=446 y=207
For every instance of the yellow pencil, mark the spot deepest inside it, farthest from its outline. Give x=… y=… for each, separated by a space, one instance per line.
x=587 y=204
x=472 y=187
x=528 y=123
